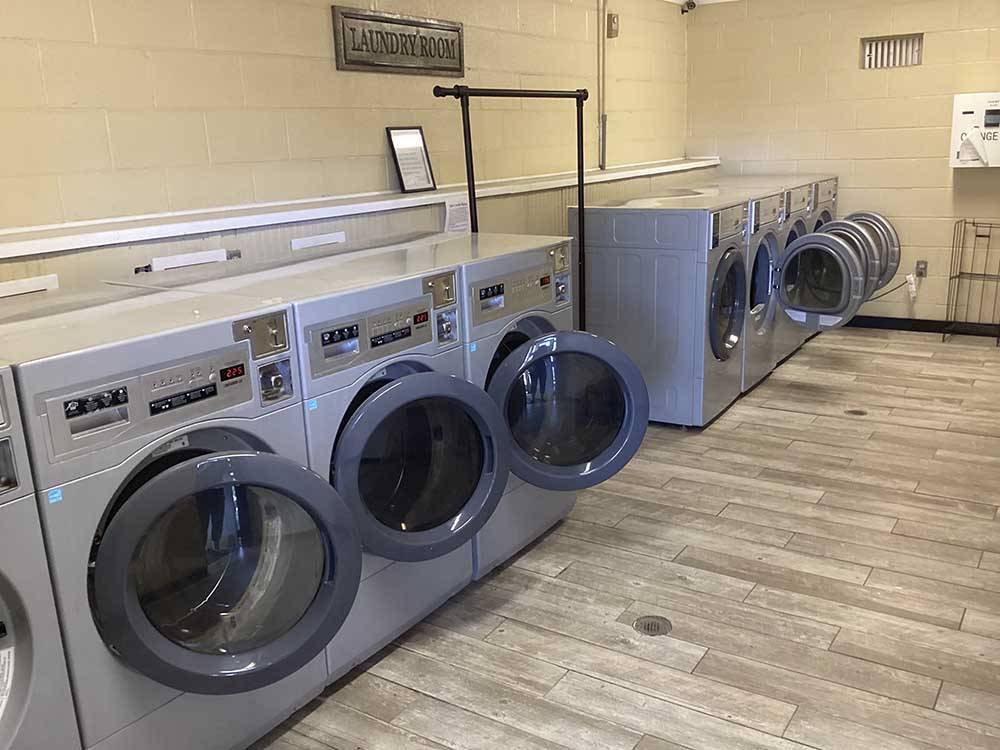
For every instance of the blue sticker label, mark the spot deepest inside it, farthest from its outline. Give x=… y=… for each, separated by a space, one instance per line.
x=55 y=496
x=473 y=347
x=313 y=405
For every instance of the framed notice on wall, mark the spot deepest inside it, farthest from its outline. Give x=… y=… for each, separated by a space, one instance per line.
x=413 y=163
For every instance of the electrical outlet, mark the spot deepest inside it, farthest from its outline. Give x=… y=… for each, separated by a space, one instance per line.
x=614 y=25
x=921 y=269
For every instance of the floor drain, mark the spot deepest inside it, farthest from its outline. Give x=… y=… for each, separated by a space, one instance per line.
x=653 y=625
x=856 y=413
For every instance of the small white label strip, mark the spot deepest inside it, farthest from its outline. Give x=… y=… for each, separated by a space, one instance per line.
x=167 y=262
x=6 y=677
x=29 y=285
x=318 y=240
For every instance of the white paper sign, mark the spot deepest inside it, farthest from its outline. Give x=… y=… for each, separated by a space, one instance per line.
x=457 y=215
x=6 y=677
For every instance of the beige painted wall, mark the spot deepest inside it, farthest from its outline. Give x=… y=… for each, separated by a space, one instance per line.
x=122 y=107
x=775 y=86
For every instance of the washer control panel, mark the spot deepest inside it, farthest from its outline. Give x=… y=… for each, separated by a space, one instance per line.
x=728 y=222
x=797 y=200
x=512 y=294
x=825 y=192
x=766 y=211
x=340 y=344
x=103 y=413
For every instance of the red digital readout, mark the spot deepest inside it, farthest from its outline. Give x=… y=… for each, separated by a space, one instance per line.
x=546 y=280
x=420 y=318
x=231 y=373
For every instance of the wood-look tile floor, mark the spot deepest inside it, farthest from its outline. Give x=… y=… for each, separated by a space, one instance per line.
x=828 y=553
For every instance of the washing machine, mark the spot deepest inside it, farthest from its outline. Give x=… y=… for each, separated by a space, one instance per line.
x=763 y=304
x=199 y=567
x=575 y=406
x=36 y=708
x=418 y=452
x=667 y=282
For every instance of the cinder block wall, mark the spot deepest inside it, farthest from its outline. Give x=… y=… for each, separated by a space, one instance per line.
x=776 y=86
x=125 y=107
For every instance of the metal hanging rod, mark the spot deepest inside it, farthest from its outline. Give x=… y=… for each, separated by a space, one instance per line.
x=464 y=94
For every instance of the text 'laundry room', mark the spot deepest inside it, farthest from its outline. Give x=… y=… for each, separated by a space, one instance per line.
x=538 y=374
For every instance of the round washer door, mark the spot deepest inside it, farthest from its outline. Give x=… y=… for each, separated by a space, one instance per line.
x=890 y=247
x=576 y=406
x=226 y=572
x=422 y=463
x=822 y=282
x=862 y=238
x=761 y=295
x=727 y=305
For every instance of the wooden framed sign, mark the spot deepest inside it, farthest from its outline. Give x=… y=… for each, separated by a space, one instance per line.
x=413 y=163
x=381 y=42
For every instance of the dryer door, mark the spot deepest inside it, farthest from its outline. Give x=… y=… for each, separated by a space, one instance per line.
x=762 y=298
x=727 y=305
x=888 y=240
x=223 y=572
x=576 y=406
x=822 y=282
x=422 y=461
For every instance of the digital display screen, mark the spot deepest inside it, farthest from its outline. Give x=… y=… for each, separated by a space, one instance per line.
x=421 y=318
x=545 y=280
x=992 y=119
x=391 y=337
x=231 y=373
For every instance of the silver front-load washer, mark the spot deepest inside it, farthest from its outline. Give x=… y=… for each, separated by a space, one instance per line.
x=666 y=281
x=36 y=707
x=575 y=406
x=199 y=567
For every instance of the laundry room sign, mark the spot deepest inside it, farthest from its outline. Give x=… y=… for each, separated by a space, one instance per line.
x=381 y=42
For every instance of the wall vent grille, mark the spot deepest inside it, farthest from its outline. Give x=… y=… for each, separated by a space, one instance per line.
x=892 y=51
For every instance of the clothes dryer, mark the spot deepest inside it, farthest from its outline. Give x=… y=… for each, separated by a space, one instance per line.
x=575 y=405
x=36 y=708
x=199 y=567
x=667 y=282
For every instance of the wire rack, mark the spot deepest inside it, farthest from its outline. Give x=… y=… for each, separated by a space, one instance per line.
x=974 y=281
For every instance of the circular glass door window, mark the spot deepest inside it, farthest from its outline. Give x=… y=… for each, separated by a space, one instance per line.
x=566 y=409
x=728 y=305
x=229 y=570
x=761 y=286
x=421 y=465
x=815 y=281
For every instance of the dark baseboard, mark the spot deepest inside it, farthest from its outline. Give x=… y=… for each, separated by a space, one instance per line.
x=925 y=326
